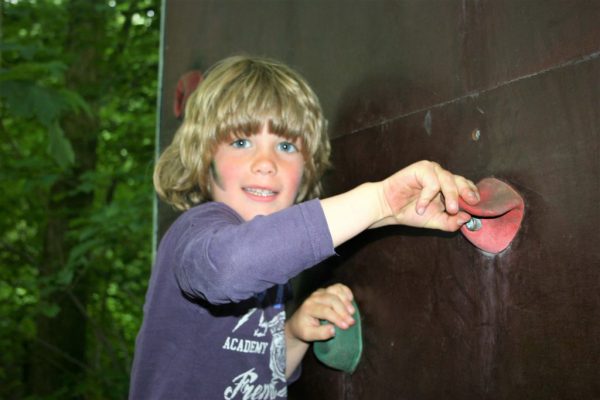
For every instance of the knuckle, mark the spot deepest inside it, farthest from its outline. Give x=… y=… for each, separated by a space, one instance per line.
x=336 y=288
x=435 y=187
x=310 y=302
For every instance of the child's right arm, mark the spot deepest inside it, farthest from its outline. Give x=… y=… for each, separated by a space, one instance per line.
x=422 y=195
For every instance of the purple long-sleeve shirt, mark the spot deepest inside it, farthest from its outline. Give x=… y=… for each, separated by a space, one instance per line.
x=214 y=313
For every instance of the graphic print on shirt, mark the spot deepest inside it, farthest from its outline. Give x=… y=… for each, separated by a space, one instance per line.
x=245 y=385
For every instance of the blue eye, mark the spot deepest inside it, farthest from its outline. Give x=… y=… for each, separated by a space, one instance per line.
x=287 y=147
x=240 y=144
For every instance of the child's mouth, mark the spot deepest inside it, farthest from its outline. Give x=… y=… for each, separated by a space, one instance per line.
x=260 y=192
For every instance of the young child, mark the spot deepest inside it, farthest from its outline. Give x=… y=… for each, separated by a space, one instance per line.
x=250 y=151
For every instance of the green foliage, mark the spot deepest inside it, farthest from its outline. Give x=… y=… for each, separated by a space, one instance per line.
x=108 y=241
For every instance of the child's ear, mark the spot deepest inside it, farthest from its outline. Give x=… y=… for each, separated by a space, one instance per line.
x=302 y=189
x=213 y=177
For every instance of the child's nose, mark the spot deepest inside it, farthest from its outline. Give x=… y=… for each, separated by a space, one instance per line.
x=264 y=163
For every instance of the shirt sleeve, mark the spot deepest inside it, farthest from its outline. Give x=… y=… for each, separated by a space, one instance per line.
x=224 y=259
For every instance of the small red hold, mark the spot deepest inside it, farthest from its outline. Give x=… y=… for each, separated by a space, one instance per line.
x=500 y=213
x=185 y=86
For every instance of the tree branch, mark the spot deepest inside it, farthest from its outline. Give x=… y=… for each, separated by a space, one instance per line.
x=123 y=36
x=62 y=354
x=19 y=252
x=98 y=332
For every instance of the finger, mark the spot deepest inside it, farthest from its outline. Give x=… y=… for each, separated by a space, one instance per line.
x=311 y=332
x=449 y=190
x=430 y=187
x=344 y=293
x=451 y=223
x=462 y=218
x=341 y=290
x=468 y=190
x=332 y=309
x=322 y=332
x=472 y=185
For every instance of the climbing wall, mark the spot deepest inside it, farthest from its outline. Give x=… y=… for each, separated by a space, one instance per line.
x=505 y=89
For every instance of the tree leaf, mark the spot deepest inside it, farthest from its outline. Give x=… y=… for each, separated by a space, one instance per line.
x=59 y=146
x=64 y=277
x=50 y=310
x=18 y=97
x=74 y=101
x=33 y=71
x=82 y=249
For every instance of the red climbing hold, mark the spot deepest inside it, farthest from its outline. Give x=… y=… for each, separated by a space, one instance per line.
x=497 y=216
x=185 y=86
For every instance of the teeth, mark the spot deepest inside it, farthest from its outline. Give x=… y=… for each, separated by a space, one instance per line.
x=260 y=192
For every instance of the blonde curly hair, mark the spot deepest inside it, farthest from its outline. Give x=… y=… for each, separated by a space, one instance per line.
x=236 y=97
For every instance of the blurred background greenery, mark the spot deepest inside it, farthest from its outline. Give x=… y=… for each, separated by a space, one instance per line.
x=78 y=87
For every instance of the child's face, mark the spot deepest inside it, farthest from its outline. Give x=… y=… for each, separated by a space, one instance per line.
x=257 y=175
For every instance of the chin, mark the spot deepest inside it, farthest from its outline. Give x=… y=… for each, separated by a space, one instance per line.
x=263 y=212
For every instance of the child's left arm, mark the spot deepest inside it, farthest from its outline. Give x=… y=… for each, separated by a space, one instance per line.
x=333 y=304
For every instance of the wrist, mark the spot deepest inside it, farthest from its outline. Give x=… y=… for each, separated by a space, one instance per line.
x=291 y=339
x=372 y=201
x=350 y=213
x=380 y=209
x=385 y=211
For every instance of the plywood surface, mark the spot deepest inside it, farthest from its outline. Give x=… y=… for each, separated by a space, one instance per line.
x=402 y=81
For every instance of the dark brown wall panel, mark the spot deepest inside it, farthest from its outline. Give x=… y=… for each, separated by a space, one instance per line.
x=504 y=40
x=444 y=320
x=418 y=53
x=335 y=44
x=407 y=80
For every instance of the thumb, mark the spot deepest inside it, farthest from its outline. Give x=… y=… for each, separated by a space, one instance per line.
x=322 y=332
